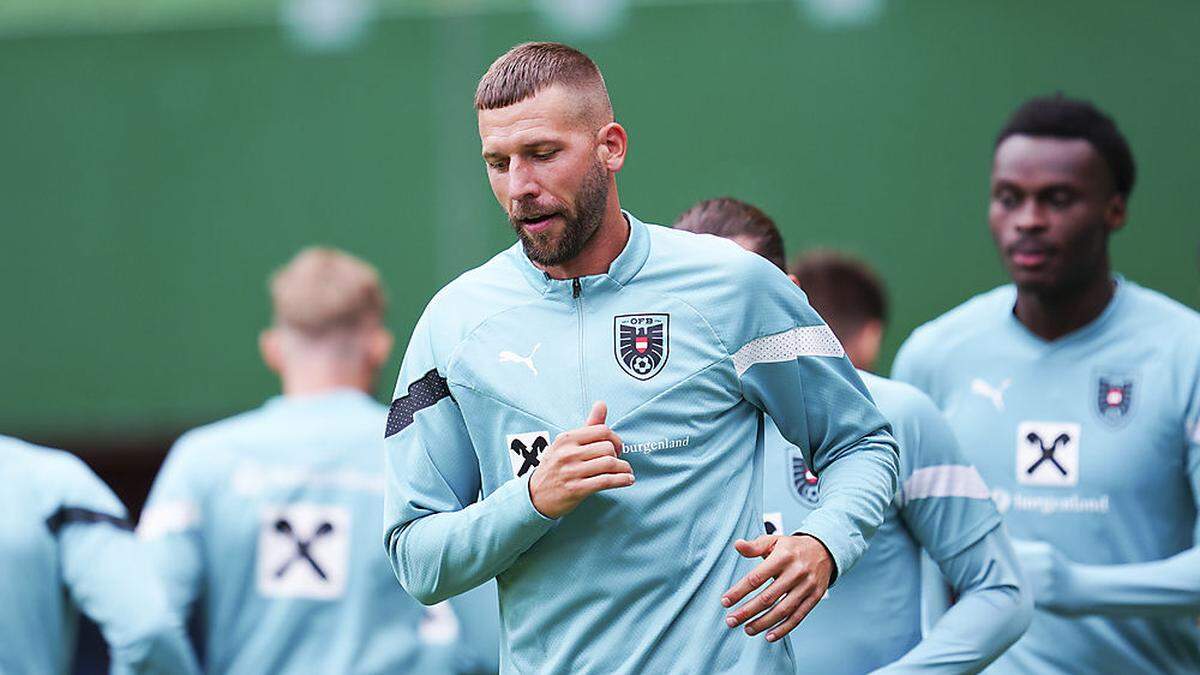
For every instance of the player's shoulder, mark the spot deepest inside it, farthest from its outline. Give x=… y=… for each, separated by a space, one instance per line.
x=1152 y=308
x=898 y=400
x=972 y=320
x=479 y=294
x=55 y=475
x=211 y=445
x=49 y=464
x=703 y=258
x=721 y=281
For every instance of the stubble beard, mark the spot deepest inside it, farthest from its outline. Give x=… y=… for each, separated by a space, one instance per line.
x=549 y=250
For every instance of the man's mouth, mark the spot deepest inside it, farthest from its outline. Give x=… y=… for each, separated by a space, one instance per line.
x=535 y=224
x=1029 y=255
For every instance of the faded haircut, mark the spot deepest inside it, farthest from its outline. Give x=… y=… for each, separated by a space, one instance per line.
x=1060 y=117
x=323 y=291
x=732 y=218
x=528 y=68
x=844 y=290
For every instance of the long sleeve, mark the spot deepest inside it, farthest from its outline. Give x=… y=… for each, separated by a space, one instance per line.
x=440 y=539
x=794 y=370
x=108 y=578
x=990 y=615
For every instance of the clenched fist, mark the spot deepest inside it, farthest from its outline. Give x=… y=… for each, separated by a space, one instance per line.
x=579 y=463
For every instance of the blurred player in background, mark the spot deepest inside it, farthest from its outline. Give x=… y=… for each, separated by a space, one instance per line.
x=873 y=617
x=1077 y=393
x=598 y=573
x=66 y=547
x=267 y=523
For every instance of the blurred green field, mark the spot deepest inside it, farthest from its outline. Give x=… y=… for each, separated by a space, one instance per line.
x=158 y=165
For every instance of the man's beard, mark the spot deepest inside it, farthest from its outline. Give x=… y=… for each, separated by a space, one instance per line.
x=578 y=227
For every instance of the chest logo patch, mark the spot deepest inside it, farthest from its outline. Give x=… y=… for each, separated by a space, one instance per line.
x=641 y=343
x=1114 y=398
x=525 y=451
x=1048 y=454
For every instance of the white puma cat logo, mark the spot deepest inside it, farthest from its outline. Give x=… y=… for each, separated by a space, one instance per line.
x=993 y=394
x=511 y=357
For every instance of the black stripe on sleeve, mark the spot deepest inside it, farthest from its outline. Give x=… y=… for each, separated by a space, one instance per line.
x=67 y=515
x=423 y=393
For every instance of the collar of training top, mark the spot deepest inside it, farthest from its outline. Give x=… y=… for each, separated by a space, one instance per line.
x=620 y=272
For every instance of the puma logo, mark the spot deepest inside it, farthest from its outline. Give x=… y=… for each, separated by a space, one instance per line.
x=993 y=394
x=512 y=357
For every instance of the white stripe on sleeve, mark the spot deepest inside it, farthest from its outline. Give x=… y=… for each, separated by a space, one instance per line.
x=167 y=518
x=788 y=345
x=946 y=480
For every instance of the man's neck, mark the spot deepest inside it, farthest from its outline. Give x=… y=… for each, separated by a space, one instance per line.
x=603 y=248
x=314 y=382
x=1053 y=315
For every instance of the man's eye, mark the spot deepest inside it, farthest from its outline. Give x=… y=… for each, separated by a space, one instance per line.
x=1061 y=198
x=545 y=155
x=1007 y=198
x=497 y=165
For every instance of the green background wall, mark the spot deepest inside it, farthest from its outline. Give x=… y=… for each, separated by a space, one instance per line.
x=152 y=178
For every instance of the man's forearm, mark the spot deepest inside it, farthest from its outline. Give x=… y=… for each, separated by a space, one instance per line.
x=856 y=489
x=440 y=555
x=991 y=613
x=1169 y=587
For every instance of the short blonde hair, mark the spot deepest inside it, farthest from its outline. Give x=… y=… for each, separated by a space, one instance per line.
x=528 y=68
x=323 y=290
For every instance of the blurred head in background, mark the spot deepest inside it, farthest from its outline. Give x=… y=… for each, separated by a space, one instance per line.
x=849 y=295
x=328 y=330
x=551 y=148
x=734 y=219
x=844 y=291
x=1062 y=174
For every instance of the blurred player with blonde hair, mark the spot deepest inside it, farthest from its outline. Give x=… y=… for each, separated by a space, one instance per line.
x=266 y=524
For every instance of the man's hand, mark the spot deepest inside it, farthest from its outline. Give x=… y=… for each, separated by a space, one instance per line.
x=1046 y=570
x=800 y=567
x=579 y=463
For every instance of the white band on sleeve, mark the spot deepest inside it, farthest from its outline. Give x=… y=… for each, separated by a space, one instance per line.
x=167 y=518
x=788 y=345
x=946 y=480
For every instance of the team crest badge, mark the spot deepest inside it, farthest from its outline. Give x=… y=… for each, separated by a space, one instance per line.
x=804 y=482
x=642 y=343
x=1114 y=398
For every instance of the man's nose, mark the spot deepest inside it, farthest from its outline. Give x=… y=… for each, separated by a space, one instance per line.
x=522 y=181
x=1030 y=216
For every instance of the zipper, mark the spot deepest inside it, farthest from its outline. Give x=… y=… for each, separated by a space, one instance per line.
x=577 y=294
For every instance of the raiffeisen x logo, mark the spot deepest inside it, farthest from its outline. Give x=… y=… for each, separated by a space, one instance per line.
x=1047 y=454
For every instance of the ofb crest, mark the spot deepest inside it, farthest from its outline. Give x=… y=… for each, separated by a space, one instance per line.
x=1114 y=397
x=804 y=482
x=641 y=343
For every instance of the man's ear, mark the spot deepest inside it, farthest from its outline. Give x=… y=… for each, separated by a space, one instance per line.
x=379 y=347
x=795 y=279
x=611 y=145
x=1114 y=213
x=271 y=348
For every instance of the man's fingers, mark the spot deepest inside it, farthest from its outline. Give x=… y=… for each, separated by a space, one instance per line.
x=599 y=412
x=794 y=620
x=764 y=600
x=781 y=611
x=605 y=464
x=758 y=576
x=756 y=548
x=597 y=449
x=590 y=434
x=604 y=481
